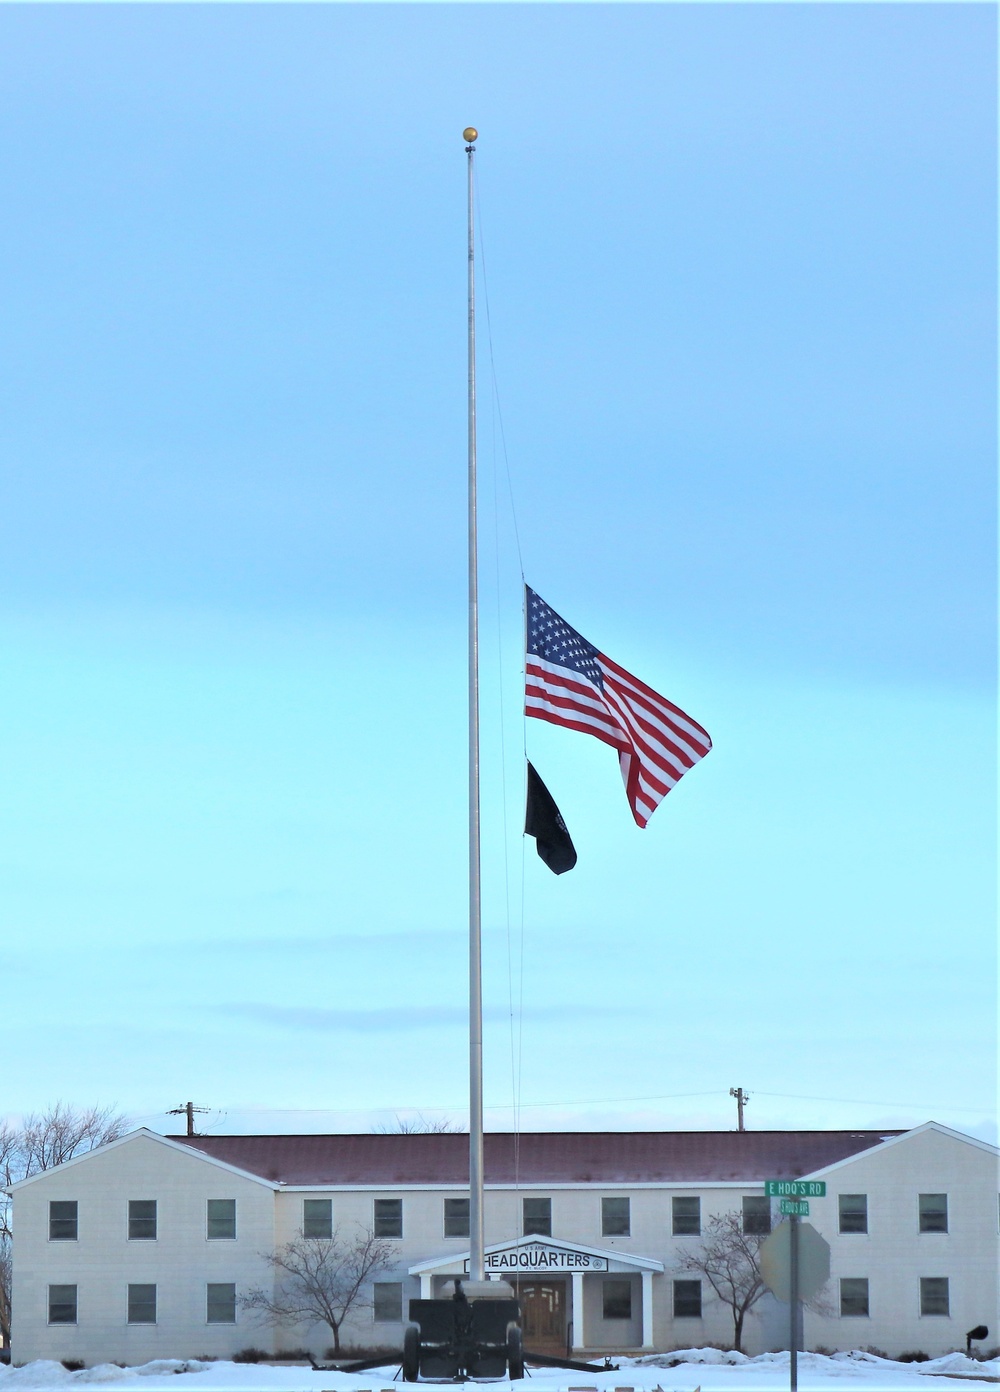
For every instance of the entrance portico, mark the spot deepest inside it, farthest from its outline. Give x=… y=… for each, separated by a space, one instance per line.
x=541 y=1269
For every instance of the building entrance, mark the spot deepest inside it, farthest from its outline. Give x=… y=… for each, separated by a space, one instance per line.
x=543 y=1314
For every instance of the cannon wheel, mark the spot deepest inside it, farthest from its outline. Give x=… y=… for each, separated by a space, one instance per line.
x=411 y=1353
x=515 y=1352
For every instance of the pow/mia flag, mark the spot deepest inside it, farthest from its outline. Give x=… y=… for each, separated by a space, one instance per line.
x=543 y=821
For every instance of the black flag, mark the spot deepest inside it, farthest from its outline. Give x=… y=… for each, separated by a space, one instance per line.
x=544 y=822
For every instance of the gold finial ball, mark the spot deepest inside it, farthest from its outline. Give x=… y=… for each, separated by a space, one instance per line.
x=470 y=134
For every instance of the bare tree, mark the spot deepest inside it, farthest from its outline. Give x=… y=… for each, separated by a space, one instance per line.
x=729 y=1260
x=57 y=1135
x=10 y=1171
x=40 y=1142
x=9 y=1150
x=5 y=1284
x=319 y=1280
x=418 y=1125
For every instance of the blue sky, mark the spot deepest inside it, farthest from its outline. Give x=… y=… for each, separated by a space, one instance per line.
x=740 y=269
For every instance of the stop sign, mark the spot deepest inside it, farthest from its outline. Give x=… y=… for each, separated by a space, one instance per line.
x=776 y=1261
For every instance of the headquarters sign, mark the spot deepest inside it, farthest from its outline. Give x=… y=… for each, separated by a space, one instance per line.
x=538 y=1258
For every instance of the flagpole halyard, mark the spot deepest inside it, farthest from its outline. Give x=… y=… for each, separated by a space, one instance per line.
x=477 y=1247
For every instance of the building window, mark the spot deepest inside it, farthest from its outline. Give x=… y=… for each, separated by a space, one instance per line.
x=142 y=1220
x=63 y=1228
x=933 y=1212
x=456 y=1217
x=387 y=1302
x=617 y=1300
x=756 y=1214
x=220 y=1302
x=221 y=1218
x=388 y=1217
x=142 y=1304
x=687 y=1217
x=62 y=1304
x=616 y=1219
x=934 y=1295
x=537 y=1216
x=853 y=1213
x=317 y=1217
x=687 y=1300
x=853 y=1295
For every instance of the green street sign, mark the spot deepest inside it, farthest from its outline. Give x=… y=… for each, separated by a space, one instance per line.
x=795 y=1188
x=795 y=1208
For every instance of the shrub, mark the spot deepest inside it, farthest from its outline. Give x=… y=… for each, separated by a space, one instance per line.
x=913 y=1356
x=250 y=1355
x=73 y=1365
x=822 y=1348
x=356 y=1353
x=876 y=1352
x=299 y=1355
x=207 y=1358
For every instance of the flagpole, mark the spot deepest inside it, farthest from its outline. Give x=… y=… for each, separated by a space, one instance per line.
x=477 y=1255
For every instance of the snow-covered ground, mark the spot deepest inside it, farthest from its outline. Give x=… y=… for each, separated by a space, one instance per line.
x=707 y=1369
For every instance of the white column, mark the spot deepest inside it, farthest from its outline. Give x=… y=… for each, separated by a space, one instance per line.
x=647 y=1309
x=426 y=1285
x=578 y=1336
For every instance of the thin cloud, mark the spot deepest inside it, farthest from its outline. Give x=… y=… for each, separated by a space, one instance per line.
x=322 y=942
x=392 y=1019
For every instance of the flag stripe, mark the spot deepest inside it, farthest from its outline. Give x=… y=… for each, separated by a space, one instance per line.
x=656 y=738
x=596 y=715
x=553 y=688
x=690 y=735
x=656 y=749
x=640 y=687
x=550 y=677
x=580 y=720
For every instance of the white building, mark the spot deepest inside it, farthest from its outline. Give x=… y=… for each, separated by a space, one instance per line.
x=143 y=1248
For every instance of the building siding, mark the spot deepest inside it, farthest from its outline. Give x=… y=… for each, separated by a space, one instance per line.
x=103 y=1262
x=892 y=1255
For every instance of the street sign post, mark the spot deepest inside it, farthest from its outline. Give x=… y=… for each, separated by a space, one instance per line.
x=794 y=1281
x=794 y=1262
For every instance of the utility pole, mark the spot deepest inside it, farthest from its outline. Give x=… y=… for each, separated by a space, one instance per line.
x=188 y=1109
x=741 y=1100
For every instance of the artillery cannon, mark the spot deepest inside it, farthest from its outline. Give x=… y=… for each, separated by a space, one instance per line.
x=475 y=1333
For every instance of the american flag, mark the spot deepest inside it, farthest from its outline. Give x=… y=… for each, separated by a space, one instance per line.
x=568 y=682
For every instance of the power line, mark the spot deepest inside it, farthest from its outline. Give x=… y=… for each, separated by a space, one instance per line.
x=871 y=1102
x=584 y=1102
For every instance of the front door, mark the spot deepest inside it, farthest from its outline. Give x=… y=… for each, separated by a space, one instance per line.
x=543 y=1314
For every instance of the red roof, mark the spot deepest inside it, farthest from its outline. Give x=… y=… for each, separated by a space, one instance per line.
x=617 y=1158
